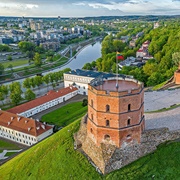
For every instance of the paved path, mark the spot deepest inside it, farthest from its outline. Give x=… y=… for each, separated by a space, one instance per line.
x=74 y=99
x=3 y=154
x=170 y=119
x=161 y=99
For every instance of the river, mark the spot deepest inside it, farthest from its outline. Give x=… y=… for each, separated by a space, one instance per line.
x=87 y=54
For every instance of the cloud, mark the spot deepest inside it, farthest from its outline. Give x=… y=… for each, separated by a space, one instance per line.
x=69 y=8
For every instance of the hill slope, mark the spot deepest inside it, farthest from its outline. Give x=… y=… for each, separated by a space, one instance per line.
x=55 y=158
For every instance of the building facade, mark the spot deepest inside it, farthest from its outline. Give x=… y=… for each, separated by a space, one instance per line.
x=22 y=130
x=81 y=78
x=38 y=105
x=115 y=115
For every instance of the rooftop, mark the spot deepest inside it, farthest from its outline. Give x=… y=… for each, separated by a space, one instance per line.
x=41 y=100
x=22 y=124
x=90 y=73
x=111 y=84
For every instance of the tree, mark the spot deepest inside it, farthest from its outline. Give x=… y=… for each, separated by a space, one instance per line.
x=29 y=95
x=15 y=86
x=46 y=79
x=176 y=58
x=26 y=46
x=10 y=66
x=37 y=60
x=85 y=102
x=9 y=58
x=15 y=96
x=1 y=97
x=4 y=90
x=27 y=83
x=1 y=69
x=38 y=81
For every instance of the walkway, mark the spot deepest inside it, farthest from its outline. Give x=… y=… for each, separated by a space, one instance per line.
x=3 y=154
x=170 y=119
x=161 y=99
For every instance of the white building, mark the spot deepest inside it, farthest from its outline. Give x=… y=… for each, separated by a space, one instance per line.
x=38 y=105
x=22 y=130
x=80 y=79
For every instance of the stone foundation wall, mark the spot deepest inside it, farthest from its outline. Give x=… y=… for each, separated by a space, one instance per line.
x=109 y=158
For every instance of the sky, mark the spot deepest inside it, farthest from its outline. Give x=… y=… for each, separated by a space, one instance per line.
x=84 y=8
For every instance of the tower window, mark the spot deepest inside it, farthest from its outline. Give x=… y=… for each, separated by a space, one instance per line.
x=92 y=117
x=91 y=130
x=91 y=102
x=128 y=122
x=107 y=108
x=107 y=123
x=107 y=137
x=129 y=107
x=128 y=136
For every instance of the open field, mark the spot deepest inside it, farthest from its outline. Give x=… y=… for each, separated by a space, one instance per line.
x=7 y=145
x=66 y=114
x=15 y=63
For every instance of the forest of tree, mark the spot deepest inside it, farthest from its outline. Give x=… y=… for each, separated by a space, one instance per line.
x=164 y=47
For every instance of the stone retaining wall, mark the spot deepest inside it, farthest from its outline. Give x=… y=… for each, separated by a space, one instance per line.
x=108 y=158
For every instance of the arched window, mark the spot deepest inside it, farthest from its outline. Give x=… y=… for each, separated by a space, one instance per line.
x=107 y=137
x=91 y=102
x=128 y=136
x=129 y=122
x=91 y=130
x=107 y=108
x=107 y=123
x=129 y=107
x=92 y=117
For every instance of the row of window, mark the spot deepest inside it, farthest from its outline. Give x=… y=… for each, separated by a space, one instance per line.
x=17 y=134
x=108 y=106
x=17 y=139
x=43 y=107
x=108 y=137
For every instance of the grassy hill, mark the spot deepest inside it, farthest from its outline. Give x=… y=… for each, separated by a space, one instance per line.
x=55 y=158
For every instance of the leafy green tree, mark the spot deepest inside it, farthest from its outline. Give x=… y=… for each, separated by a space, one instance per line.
x=9 y=58
x=27 y=83
x=1 y=97
x=1 y=69
x=10 y=66
x=87 y=66
x=15 y=96
x=38 y=81
x=5 y=90
x=176 y=58
x=32 y=82
x=29 y=95
x=46 y=80
x=26 y=46
x=37 y=60
x=15 y=86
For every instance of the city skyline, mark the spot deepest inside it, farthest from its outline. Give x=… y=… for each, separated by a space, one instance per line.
x=77 y=8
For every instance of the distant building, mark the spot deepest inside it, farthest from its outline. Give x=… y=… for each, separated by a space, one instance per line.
x=40 y=104
x=51 y=45
x=22 y=130
x=81 y=78
x=156 y=25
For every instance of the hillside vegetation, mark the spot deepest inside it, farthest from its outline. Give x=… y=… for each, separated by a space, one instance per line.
x=164 y=47
x=55 y=158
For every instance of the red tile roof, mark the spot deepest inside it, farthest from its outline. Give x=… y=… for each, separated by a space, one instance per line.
x=41 y=100
x=22 y=124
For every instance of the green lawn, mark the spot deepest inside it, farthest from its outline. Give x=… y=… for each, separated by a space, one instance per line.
x=10 y=153
x=55 y=158
x=66 y=114
x=15 y=63
x=7 y=145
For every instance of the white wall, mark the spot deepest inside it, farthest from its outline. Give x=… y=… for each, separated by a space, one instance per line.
x=48 y=105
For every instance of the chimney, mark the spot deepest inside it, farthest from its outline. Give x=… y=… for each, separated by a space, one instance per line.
x=9 y=123
x=43 y=126
x=26 y=121
x=12 y=118
x=29 y=128
x=18 y=118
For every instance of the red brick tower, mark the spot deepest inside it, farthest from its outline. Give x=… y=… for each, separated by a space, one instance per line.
x=115 y=115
